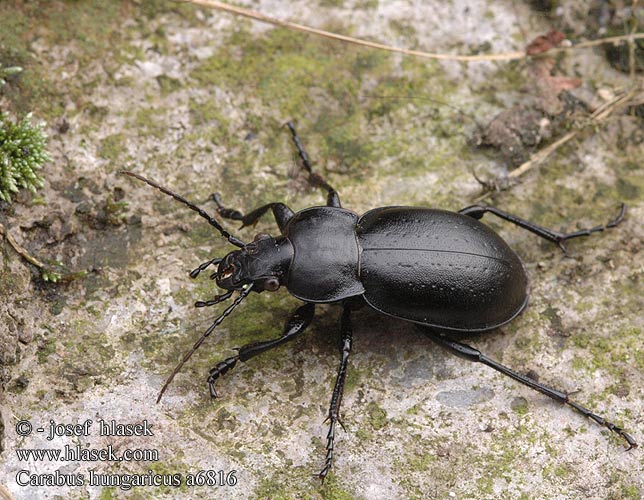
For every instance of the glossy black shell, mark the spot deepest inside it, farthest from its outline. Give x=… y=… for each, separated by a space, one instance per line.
x=428 y=266
x=439 y=268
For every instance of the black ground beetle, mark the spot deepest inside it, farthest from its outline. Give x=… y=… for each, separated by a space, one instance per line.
x=445 y=271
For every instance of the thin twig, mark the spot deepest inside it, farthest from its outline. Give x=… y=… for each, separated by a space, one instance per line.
x=505 y=56
x=598 y=115
x=47 y=272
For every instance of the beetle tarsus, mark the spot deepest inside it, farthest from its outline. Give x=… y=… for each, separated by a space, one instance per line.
x=587 y=232
x=336 y=398
x=605 y=423
x=477 y=212
x=226 y=213
x=328 y=460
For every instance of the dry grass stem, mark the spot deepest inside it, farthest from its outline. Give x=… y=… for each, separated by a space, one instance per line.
x=505 y=56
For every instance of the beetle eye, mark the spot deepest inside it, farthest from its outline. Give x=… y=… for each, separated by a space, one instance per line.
x=271 y=284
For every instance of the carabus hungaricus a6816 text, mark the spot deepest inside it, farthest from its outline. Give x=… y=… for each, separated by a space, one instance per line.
x=445 y=271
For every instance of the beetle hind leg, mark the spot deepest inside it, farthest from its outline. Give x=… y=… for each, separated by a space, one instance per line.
x=472 y=354
x=336 y=398
x=477 y=212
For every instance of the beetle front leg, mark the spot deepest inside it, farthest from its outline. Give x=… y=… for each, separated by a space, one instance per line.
x=477 y=212
x=296 y=324
x=336 y=398
x=281 y=213
x=316 y=180
x=467 y=352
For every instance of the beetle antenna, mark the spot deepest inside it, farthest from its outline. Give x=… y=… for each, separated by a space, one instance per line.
x=244 y=293
x=231 y=239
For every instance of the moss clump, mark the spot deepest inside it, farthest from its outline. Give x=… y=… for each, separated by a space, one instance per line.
x=22 y=154
x=377 y=416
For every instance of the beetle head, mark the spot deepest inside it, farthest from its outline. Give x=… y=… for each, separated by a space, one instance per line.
x=263 y=262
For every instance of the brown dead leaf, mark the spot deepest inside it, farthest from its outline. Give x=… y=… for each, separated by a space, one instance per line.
x=544 y=43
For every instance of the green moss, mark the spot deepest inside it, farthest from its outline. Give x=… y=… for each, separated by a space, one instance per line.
x=45 y=349
x=630 y=492
x=420 y=460
x=112 y=146
x=168 y=84
x=18 y=386
x=611 y=355
x=485 y=485
x=627 y=190
x=377 y=416
x=288 y=485
x=149 y=121
x=22 y=155
x=288 y=71
x=366 y=4
x=402 y=29
x=93 y=25
x=113 y=212
x=108 y=494
x=269 y=488
x=519 y=405
x=332 y=490
x=561 y=470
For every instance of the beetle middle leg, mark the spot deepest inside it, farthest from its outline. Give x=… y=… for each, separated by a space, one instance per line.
x=467 y=352
x=316 y=180
x=477 y=211
x=296 y=324
x=336 y=398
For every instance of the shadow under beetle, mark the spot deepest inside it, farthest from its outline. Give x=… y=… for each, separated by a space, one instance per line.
x=445 y=271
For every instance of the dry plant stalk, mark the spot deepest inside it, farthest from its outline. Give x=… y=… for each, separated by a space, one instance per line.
x=599 y=115
x=506 y=56
x=19 y=249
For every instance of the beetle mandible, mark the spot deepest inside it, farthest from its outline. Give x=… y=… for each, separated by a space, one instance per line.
x=445 y=271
